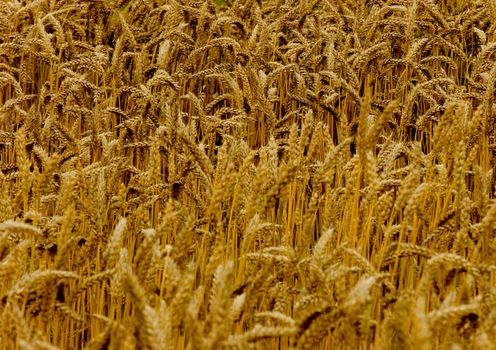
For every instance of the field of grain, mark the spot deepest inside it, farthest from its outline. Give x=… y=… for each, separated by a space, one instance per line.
x=247 y=174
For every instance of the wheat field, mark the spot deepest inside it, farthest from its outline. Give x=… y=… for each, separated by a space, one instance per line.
x=241 y=174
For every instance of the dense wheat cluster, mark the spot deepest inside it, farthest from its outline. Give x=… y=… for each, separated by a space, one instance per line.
x=271 y=174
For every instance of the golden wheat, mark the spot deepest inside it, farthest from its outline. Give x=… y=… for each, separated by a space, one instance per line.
x=247 y=174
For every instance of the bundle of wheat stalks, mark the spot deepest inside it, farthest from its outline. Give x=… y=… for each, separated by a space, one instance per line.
x=271 y=174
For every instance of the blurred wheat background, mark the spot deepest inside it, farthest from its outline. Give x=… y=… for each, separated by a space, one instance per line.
x=271 y=174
